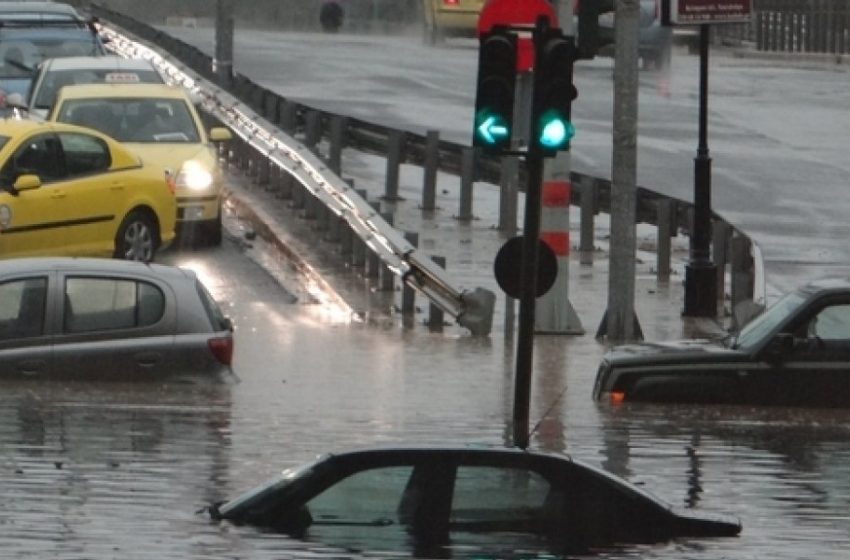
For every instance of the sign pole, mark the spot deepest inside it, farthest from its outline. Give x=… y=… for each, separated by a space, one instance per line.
x=701 y=272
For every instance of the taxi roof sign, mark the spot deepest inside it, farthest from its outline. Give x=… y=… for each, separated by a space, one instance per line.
x=121 y=78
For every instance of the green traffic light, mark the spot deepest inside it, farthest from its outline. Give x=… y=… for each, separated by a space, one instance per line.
x=492 y=129
x=555 y=131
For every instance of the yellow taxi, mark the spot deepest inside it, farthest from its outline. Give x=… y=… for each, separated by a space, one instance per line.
x=450 y=18
x=71 y=191
x=160 y=123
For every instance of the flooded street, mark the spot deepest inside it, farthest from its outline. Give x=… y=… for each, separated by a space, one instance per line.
x=105 y=471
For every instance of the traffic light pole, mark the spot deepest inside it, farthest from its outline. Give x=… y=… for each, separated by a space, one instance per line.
x=701 y=272
x=527 y=300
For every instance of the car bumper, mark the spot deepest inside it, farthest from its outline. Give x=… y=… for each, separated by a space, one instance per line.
x=192 y=209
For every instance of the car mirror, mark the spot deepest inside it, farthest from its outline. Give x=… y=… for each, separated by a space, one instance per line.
x=26 y=183
x=220 y=134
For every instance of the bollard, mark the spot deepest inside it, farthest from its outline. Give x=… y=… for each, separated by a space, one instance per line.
x=508 y=194
x=719 y=239
x=338 y=127
x=395 y=148
x=588 y=213
x=664 y=209
x=435 y=313
x=432 y=164
x=467 y=172
x=408 y=294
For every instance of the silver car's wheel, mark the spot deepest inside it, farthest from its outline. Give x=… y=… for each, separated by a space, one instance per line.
x=136 y=239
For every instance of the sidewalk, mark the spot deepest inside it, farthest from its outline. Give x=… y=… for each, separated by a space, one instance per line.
x=469 y=247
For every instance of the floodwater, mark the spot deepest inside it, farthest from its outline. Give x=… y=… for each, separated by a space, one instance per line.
x=102 y=471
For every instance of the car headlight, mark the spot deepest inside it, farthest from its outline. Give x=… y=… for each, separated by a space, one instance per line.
x=194 y=176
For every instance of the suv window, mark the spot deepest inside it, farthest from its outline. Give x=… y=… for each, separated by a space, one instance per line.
x=96 y=304
x=22 y=306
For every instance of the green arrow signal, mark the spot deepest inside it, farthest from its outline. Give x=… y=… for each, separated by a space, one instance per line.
x=492 y=130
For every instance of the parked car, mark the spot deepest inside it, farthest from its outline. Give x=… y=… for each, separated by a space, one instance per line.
x=81 y=318
x=31 y=32
x=72 y=191
x=392 y=499
x=159 y=123
x=450 y=18
x=654 y=40
x=796 y=353
x=54 y=73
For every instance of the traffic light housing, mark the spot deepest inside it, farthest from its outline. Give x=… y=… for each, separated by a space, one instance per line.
x=553 y=92
x=494 y=97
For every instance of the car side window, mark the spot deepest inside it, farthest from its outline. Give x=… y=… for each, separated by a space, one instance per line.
x=498 y=499
x=97 y=304
x=832 y=323
x=367 y=498
x=22 y=307
x=40 y=155
x=84 y=154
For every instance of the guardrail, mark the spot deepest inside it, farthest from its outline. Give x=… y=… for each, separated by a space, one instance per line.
x=744 y=282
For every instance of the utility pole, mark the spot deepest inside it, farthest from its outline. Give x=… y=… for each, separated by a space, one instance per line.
x=620 y=320
x=223 y=62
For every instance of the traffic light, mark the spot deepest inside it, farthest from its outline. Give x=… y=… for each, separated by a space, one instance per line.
x=494 y=97
x=553 y=92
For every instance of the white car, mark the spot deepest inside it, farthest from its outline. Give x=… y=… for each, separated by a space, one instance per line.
x=52 y=74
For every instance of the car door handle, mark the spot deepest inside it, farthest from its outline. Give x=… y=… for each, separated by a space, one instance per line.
x=58 y=194
x=116 y=187
x=147 y=360
x=31 y=367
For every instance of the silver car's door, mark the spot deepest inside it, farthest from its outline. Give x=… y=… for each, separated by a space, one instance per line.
x=25 y=333
x=114 y=327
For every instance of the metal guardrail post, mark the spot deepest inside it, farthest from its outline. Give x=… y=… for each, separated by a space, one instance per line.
x=313 y=130
x=358 y=248
x=408 y=295
x=431 y=164
x=467 y=175
x=588 y=213
x=373 y=261
x=387 y=281
x=338 y=127
x=435 y=314
x=395 y=152
x=663 y=251
x=288 y=117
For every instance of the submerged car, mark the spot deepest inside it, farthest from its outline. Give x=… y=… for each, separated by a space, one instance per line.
x=796 y=353
x=69 y=319
x=159 y=123
x=450 y=18
x=72 y=191
x=31 y=32
x=425 y=498
x=54 y=73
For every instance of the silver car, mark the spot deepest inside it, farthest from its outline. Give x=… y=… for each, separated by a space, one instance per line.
x=71 y=318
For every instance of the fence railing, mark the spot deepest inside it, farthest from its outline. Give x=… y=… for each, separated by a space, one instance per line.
x=802 y=26
x=738 y=260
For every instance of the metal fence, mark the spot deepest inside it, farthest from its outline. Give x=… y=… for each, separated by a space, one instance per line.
x=740 y=270
x=803 y=26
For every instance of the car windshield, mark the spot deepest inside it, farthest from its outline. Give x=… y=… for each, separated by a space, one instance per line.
x=755 y=331
x=20 y=55
x=54 y=80
x=141 y=120
x=272 y=485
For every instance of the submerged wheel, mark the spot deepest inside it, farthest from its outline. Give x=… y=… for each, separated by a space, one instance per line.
x=137 y=238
